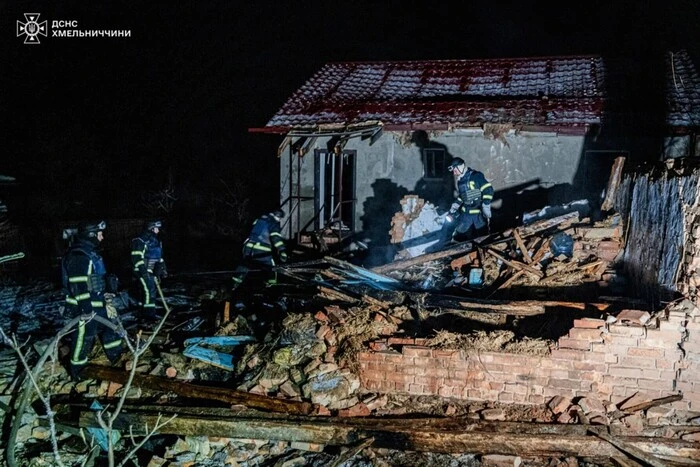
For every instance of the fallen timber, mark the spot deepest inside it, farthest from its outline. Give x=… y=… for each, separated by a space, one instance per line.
x=452 y=435
x=507 y=307
x=198 y=391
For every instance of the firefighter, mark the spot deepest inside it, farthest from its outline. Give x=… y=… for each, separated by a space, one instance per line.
x=85 y=281
x=471 y=211
x=263 y=249
x=148 y=265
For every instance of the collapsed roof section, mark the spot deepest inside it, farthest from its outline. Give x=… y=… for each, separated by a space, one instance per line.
x=549 y=92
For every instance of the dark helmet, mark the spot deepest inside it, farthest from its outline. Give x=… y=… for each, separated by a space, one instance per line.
x=456 y=162
x=277 y=214
x=90 y=229
x=153 y=224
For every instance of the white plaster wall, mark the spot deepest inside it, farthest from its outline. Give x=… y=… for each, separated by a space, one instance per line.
x=546 y=158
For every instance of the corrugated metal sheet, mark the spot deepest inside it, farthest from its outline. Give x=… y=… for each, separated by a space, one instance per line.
x=551 y=91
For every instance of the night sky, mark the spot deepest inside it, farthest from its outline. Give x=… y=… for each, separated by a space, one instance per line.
x=98 y=119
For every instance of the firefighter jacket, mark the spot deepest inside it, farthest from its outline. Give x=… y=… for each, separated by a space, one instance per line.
x=265 y=243
x=473 y=192
x=83 y=272
x=146 y=252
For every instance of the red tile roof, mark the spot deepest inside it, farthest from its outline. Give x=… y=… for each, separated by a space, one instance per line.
x=549 y=92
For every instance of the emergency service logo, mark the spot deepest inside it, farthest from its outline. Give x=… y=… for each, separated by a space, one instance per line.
x=32 y=28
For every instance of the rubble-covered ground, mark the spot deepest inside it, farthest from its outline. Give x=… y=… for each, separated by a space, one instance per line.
x=297 y=343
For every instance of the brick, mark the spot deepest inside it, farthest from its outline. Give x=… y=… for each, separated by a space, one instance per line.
x=637 y=362
x=586 y=334
x=447 y=353
x=620 y=340
x=375 y=375
x=416 y=388
x=371 y=356
x=567 y=354
x=568 y=343
x=303 y=446
x=587 y=366
x=671 y=337
x=423 y=361
x=401 y=341
x=655 y=384
x=564 y=383
x=627 y=331
x=400 y=378
x=670 y=326
x=357 y=410
x=378 y=346
x=559 y=404
x=648 y=353
x=411 y=351
x=589 y=323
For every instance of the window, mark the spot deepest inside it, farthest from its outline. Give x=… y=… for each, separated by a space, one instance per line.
x=434 y=163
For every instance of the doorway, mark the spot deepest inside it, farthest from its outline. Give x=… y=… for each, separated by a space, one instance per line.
x=334 y=194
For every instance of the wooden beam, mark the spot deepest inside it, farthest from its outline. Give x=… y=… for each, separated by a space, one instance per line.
x=509 y=307
x=613 y=184
x=407 y=263
x=425 y=435
x=517 y=265
x=521 y=245
x=544 y=224
x=197 y=391
x=629 y=449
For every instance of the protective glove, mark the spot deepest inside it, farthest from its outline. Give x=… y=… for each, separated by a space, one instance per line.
x=455 y=207
x=159 y=270
x=486 y=210
x=109 y=306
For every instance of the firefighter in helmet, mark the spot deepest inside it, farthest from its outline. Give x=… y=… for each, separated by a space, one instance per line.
x=263 y=249
x=148 y=264
x=85 y=281
x=470 y=213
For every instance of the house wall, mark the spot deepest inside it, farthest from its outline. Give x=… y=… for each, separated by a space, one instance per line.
x=545 y=163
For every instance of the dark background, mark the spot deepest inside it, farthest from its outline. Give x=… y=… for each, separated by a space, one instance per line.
x=91 y=127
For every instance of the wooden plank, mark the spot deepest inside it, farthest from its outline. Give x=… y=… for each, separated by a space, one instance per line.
x=521 y=245
x=197 y=391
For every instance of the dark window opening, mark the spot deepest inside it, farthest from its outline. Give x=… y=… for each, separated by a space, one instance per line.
x=434 y=163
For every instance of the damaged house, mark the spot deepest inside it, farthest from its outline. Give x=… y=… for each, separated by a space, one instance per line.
x=584 y=352
x=360 y=136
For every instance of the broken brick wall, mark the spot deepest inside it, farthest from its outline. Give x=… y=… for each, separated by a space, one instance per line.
x=610 y=362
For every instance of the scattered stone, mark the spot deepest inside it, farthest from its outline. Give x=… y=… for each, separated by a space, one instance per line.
x=559 y=404
x=357 y=410
x=310 y=447
x=296 y=462
x=493 y=414
x=500 y=460
x=171 y=372
x=591 y=405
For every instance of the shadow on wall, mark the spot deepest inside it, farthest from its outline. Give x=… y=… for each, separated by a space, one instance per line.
x=378 y=210
x=437 y=184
